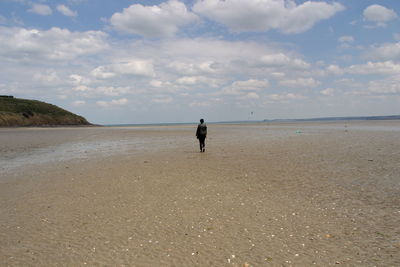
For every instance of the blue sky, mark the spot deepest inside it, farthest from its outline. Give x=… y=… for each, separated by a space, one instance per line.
x=133 y=61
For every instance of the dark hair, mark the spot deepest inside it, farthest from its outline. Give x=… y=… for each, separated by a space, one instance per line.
x=201 y=120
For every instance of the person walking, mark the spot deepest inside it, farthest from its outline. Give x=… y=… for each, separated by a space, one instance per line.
x=201 y=134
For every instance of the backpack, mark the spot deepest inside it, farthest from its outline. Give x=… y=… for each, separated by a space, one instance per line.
x=202 y=129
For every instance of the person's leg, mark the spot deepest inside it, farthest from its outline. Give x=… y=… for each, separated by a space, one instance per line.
x=201 y=147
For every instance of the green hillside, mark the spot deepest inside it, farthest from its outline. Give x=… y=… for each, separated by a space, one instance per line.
x=24 y=112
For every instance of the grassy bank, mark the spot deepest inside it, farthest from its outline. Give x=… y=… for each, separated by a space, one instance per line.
x=24 y=112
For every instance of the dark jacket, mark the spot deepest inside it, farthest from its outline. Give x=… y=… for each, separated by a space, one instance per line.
x=201 y=130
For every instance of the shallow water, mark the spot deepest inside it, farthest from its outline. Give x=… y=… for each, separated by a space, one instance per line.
x=66 y=151
x=23 y=147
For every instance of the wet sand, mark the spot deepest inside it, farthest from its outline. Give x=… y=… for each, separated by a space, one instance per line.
x=289 y=194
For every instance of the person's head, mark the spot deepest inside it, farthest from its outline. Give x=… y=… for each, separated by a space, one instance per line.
x=201 y=121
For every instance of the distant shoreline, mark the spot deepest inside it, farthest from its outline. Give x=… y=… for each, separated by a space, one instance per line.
x=359 y=118
x=322 y=119
x=355 y=118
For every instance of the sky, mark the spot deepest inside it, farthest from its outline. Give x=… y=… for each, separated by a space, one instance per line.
x=137 y=61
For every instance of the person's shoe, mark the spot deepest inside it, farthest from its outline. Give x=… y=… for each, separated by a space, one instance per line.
x=204 y=150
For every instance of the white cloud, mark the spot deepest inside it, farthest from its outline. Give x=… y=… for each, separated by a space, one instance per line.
x=220 y=60
x=386 y=67
x=115 y=102
x=134 y=67
x=162 y=99
x=278 y=75
x=245 y=87
x=250 y=85
x=388 y=51
x=334 y=69
x=300 y=83
x=172 y=66
x=78 y=68
x=304 y=16
x=201 y=56
x=390 y=86
x=78 y=103
x=156 y=83
x=328 y=92
x=188 y=80
x=196 y=80
x=153 y=21
x=387 y=87
x=49 y=77
x=199 y=104
x=284 y=97
x=82 y=88
x=66 y=11
x=101 y=73
x=263 y=15
x=378 y=13
x=19 y=44
x=206 y=67
x=138 y=67
x=103 y=104
x=346 y=39
x=40 y=9
x=76 y=79
x=111 y=90
x=282 y=60
x=90 y=92
x=249 y=96
x=190 y=68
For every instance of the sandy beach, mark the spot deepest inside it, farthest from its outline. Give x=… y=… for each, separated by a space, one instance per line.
x=268 y=194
